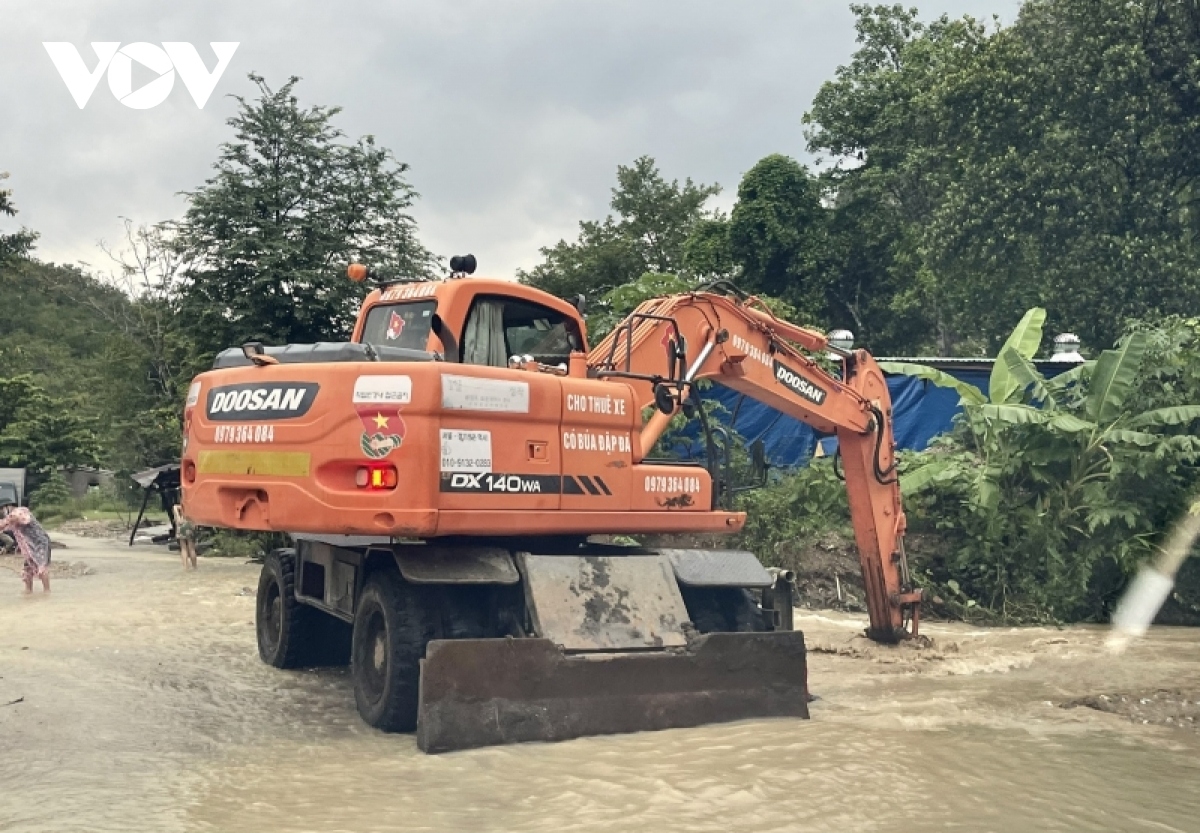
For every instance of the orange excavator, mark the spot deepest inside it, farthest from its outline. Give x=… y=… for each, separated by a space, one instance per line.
x=445 y=473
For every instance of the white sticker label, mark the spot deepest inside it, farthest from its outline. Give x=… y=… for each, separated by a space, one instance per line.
x=193 y=395
x=468 y=393
x=393 y=390
x=466 y=450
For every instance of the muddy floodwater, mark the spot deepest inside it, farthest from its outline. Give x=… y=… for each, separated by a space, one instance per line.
x=143 y=706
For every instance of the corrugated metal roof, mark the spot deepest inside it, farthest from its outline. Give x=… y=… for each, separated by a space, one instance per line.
x=981 y=363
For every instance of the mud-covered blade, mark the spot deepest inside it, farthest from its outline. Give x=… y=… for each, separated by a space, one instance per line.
x=483 y=692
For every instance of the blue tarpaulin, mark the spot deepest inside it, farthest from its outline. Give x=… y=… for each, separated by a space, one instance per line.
x=920 y=410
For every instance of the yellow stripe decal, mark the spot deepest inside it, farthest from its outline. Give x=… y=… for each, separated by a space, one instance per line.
x=275 y=463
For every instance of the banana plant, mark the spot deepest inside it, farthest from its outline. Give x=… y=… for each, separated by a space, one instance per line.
x=1025 y=411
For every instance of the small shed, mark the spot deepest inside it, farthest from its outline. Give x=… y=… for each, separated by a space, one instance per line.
x=81 y=481
x=163 y=481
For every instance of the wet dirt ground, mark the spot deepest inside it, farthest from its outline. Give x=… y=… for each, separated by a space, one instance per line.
x=143 y=706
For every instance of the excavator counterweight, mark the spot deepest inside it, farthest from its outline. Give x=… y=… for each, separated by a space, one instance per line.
x=445 y=475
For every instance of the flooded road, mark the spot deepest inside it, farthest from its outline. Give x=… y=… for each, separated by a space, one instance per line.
x=146 y=708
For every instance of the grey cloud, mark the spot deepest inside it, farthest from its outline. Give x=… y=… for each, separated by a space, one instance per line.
x=513 y=115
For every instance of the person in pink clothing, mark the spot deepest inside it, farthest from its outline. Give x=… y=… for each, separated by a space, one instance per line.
x=32 y=541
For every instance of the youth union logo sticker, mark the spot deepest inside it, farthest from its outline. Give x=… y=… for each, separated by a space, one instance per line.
x=165 y=61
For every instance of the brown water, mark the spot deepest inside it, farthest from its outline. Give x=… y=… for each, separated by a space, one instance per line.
x=146 y=708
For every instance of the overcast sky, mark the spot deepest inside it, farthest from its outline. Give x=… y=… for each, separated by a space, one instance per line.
x=513 y=114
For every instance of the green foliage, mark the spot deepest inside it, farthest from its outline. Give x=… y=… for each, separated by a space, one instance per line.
x=1171 y=367
x=110 y=502
x=880 y=123
x=52 y=332
x=96 y=351
x=1014 y=354
x=827 y=261
x=796 y=506
x=619 y=302
x=1052 y=500
x=230 y=543
x=776 y=231
x=39 y=432
x=653 y=221
x=265 y=239
x=1055 y=160
x=52 y=494
x=15 y=244
x=706 y=252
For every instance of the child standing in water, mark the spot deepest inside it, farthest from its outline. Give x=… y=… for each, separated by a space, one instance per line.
x=32 y=541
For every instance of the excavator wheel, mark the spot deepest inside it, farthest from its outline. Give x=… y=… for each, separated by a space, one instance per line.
x=392 y=627
x=292 y=635
x=723 y=610
x=285 y=627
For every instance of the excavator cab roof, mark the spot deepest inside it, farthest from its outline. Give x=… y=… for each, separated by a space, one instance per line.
x=480 y=320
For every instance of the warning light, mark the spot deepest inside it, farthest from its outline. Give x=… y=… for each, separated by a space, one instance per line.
x=357 y=272
x=376 y=477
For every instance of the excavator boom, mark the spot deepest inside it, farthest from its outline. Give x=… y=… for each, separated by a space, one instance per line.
x=669 y=343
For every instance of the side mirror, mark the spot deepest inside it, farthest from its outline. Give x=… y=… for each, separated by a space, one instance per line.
x=580 y=304
x=664 y=400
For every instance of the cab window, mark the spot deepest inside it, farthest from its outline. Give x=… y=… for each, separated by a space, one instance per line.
x=499 y=327
x=399 y=325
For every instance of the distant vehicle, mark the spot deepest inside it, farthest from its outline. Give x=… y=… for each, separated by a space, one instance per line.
x=12 y=485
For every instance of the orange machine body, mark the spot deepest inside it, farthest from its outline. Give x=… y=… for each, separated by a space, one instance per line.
x=477 y=450
x=424 y=449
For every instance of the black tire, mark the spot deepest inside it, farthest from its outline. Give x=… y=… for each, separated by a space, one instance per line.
x=723 y=609
x=285 y=628
x=392 y=628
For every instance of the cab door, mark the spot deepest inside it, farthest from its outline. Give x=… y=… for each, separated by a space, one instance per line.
x=500 y=441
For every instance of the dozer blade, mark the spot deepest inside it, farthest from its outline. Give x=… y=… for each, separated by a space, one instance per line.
x=484 y=692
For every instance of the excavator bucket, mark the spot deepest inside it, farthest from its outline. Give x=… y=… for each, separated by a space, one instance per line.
x=486 y=692
x=611 y=654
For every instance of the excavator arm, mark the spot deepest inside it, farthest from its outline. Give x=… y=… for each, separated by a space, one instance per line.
x=669 y=343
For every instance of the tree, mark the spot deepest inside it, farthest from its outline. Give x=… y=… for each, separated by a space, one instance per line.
x=41 y=433
x=1055 y=487
x=1077 y=128
x=18 y=243
x=654 y=219
x=263 y=240
x=148 y=274
x=1055 y=161
x=155 y=354
x=706 y=253
x=617 y=303
x=880 y=122
x=777 y=233
x=831 y=259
